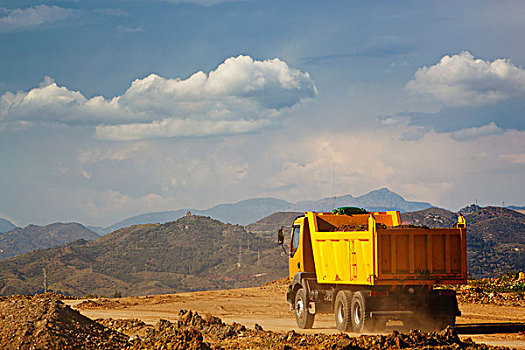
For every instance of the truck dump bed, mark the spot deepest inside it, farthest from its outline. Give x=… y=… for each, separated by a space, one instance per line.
x=374 y=249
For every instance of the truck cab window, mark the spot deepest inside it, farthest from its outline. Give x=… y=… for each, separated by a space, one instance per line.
x=295 y=240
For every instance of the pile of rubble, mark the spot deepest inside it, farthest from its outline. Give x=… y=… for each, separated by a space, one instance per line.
x=507 y=290
x=476 y=295
x=195 y=332
x=44 y=322
x=47 y=323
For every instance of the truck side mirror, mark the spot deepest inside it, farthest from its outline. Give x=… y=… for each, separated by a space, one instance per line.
x=280 y=236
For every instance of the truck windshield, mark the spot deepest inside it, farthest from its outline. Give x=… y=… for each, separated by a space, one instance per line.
x=295 y=240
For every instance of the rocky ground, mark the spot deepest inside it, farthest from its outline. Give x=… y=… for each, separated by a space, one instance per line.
x=45 y=322
x=506 y=290
x=42 y=322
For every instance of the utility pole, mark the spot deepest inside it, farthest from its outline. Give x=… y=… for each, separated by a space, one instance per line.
x=240 y=256
x=45 y=279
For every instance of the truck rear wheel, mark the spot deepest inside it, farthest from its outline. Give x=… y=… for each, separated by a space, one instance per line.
x=303 y=317
x=361 y=320
x=343 y=310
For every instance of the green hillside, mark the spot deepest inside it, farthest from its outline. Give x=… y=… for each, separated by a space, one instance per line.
x=192 y=253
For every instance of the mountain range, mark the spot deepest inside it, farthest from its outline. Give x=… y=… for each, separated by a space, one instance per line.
x=22 y=240
x=251 y=210
x=198 y=253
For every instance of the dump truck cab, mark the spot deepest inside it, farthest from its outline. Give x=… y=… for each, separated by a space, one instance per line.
x=367 y=268
x=300 y=254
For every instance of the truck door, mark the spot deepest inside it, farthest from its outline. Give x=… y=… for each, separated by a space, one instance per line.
x=296 y=254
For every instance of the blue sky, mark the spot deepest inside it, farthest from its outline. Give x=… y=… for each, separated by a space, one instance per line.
x=115 y=108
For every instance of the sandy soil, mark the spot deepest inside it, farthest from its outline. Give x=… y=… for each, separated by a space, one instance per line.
x=267 y=307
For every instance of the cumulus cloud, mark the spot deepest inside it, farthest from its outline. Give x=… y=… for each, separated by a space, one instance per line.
x=18 y=20
x=462 y=80
x=475 y=132
x=240 y=95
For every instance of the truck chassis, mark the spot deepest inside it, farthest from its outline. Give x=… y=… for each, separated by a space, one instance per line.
x=363 y=309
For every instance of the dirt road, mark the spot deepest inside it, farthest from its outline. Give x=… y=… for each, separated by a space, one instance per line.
x=267 y=307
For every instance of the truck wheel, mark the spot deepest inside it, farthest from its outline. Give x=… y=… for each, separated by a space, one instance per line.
x=342 y=310
x=303 y=318
x=361 y=321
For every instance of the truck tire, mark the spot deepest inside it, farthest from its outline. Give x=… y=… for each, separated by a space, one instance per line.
x=361 y=320
x=304 y=319
x=343 y=310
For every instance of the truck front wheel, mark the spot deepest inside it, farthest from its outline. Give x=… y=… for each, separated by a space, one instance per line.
x=361 y=321
x=303 y=317
x=343 y=311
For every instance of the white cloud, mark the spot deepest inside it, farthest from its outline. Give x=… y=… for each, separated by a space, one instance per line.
x=200 y=2
x=462 y=80
x=241 y=95
x=177 y=127
x=17 y=20
x=137 y=29
x=475 y=132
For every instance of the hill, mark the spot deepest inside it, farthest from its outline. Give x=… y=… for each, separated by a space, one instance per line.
x=31 y=237
x=496 y=241
x=431 y=217
x=495 y=236
x=6 y=225
x=251 y=210
x=192 y=253
x=268 y=226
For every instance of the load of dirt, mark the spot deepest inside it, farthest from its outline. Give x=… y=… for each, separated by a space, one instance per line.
x=44 y=322
x=350 y=228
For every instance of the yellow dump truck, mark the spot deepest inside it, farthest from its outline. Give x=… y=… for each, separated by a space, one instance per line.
x=369 y=269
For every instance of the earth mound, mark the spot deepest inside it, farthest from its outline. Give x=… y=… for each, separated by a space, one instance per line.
x=44 y=322
x=47 y=323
